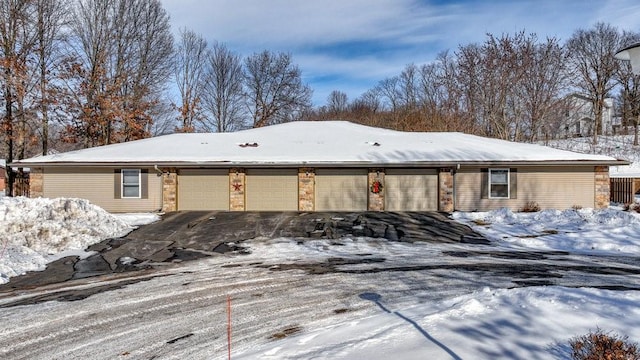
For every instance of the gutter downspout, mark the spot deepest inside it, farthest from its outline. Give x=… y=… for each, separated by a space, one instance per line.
x=455 y=171
x=160 y=174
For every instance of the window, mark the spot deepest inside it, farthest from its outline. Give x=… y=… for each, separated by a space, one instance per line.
x=130 y=183
x=499 y=183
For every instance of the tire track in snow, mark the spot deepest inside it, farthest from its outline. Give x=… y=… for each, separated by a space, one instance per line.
x=206 y=293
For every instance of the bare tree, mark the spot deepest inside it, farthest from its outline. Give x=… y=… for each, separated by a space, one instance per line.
x=591 y=55
x=223 y=96
x=541 y=86
x=629 y=89
x=16 y=43
x=389 y=91
x=115 y=74
x=191 y=62
x=51 y=16
x=337 y=103
x=274 y=88
x=408 y=87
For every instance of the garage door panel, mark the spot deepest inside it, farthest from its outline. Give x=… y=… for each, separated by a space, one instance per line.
x=411 y=190
x=203 y=189
x=341 y=189
x=272 y=190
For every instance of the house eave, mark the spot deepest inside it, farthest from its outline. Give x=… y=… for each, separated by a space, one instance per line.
x=321 y=164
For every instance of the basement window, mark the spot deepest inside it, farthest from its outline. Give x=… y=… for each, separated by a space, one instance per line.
x=499 y=183
x=131 y=183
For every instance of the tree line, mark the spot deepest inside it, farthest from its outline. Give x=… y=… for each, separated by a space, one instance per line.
x=84 y=73
x=513 y=87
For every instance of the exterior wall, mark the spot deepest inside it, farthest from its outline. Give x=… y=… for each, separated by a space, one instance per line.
x=376 y=200
x=97 y=186
x=445 y=190
x=306 y=189
x=169 y=190
x=36 y=183
x=237 y=182
x=549 y=187
x=203 y=189
x=602 y=187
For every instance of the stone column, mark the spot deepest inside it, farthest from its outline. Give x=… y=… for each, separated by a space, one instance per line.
x=602 y=188
x=169 y=190
x=36 y=183
x=445 y=190
x=237 y=180
x=306 y=189
x=376 y=183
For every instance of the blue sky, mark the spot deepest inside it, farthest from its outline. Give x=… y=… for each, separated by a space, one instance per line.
x=350 y=45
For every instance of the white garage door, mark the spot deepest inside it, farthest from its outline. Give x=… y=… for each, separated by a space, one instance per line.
x=411 y=190
x=272 y=189
x=341 y=189
x=203 y=189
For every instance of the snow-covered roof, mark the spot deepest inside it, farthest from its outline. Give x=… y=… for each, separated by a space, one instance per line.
x=338 y=143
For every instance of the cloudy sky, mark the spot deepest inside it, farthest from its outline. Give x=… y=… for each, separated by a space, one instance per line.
x=350 y=45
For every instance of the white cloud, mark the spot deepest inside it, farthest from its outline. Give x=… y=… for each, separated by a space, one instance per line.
x=389 y=33
x=294 y=23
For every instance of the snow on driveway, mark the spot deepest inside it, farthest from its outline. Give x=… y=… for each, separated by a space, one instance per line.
x=180 y=311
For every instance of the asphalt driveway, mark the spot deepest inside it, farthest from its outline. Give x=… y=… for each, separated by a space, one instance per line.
x=189 y=235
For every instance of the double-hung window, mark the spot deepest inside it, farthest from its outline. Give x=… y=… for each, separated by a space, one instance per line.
x=131 y=183
x=499 y=183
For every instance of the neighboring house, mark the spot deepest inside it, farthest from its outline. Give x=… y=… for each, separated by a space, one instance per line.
x=579 y=117
x=323 y=166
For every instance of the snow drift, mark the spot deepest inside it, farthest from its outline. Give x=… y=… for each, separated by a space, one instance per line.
x=32 y=229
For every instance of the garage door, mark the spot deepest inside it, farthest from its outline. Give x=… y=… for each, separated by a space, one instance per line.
x=272 y=189
x=203 y=189
x=411 y=190
x=341 y=189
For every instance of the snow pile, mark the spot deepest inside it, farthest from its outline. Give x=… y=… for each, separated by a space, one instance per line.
x=580 y=230
x=31 y=229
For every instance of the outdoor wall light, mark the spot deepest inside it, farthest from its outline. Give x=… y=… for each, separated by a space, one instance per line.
x=631 y=53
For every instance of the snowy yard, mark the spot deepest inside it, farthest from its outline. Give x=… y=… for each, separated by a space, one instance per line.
x=356 y=311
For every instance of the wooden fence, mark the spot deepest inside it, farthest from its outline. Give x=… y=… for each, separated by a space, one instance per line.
x=623 y=190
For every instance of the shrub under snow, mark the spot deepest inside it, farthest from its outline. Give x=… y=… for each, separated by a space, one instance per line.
x=31 y=229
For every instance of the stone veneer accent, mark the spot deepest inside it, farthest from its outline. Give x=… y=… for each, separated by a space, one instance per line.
x=36 y=183
x=445 y=190
x=169 y=190
x=306 y=189
x=603 y=187
x=237 y=184
x=376 y=201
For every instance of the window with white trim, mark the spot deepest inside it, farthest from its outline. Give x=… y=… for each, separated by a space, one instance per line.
x=499 y=183
x=131 y=183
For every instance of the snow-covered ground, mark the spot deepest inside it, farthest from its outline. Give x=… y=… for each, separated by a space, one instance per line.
x=619 y=147
x=294 y=315
x=519 y=323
